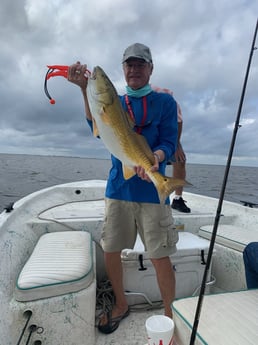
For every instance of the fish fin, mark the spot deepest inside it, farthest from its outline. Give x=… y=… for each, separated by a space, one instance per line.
x=128 y=172
x=168 y=187
x=95 y=128
x=104 y=116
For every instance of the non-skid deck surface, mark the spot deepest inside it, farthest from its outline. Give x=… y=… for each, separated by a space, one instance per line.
x=226 y=319
x=76 y=210
x=130 y=332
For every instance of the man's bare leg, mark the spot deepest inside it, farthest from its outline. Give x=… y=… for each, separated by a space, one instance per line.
x=178 y=203
x=179 y=172
x=166 y=281
x=115 y=274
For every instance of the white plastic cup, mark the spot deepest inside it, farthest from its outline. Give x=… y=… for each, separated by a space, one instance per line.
x=160 y=330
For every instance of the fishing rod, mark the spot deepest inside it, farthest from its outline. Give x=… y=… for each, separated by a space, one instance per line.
x=218 y=213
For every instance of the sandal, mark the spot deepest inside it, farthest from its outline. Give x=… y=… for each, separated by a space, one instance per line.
x=112 y=323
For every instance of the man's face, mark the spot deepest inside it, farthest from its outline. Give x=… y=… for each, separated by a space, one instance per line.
x=137 y=72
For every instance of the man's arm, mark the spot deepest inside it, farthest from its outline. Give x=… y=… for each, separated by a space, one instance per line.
x=76 y=75
x=179 y=154
x=86 y=105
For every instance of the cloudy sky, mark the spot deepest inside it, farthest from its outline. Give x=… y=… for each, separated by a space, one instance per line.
x=200 y=50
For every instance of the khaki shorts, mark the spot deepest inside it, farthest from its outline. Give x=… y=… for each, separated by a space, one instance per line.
x=154 y=223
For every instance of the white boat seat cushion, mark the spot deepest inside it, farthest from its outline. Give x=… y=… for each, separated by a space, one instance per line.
x=61 y=263
x=226 y=319
x=230 y=236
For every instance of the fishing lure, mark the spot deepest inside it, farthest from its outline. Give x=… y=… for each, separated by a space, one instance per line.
x=57 y=71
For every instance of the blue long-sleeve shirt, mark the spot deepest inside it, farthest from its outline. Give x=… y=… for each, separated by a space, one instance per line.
x=160 y=131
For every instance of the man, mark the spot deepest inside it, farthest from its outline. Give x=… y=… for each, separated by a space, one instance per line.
x=133 y=205
x=250 y=256
x=177 y=160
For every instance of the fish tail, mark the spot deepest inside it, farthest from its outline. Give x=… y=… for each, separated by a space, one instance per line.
x=168 y=185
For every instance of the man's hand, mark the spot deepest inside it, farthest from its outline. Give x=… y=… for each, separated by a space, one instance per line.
x=77 y=75
x=140 y=171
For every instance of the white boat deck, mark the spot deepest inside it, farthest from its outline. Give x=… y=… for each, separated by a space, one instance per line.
x=80 y=206
x=230 y=318
x=201 y=213
x=132 y=329
x=130 y=332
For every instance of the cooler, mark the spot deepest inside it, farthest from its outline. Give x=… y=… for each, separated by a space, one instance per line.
x=189 y=263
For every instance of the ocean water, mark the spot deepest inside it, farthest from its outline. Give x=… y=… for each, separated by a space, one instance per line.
x=21 y=175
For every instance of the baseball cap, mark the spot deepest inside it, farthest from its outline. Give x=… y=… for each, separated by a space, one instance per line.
x=139 y=51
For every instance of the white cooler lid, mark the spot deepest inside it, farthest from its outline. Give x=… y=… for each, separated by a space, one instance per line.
x=188 y=245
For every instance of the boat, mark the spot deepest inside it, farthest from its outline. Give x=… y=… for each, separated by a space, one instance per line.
x=53 y=283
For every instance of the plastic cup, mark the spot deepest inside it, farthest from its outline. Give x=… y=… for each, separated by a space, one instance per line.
x=160 y=330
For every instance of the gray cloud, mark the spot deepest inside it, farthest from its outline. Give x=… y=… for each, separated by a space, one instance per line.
x=200 y=51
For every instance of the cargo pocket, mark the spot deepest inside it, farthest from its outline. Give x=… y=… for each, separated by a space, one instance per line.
x=169 y=234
